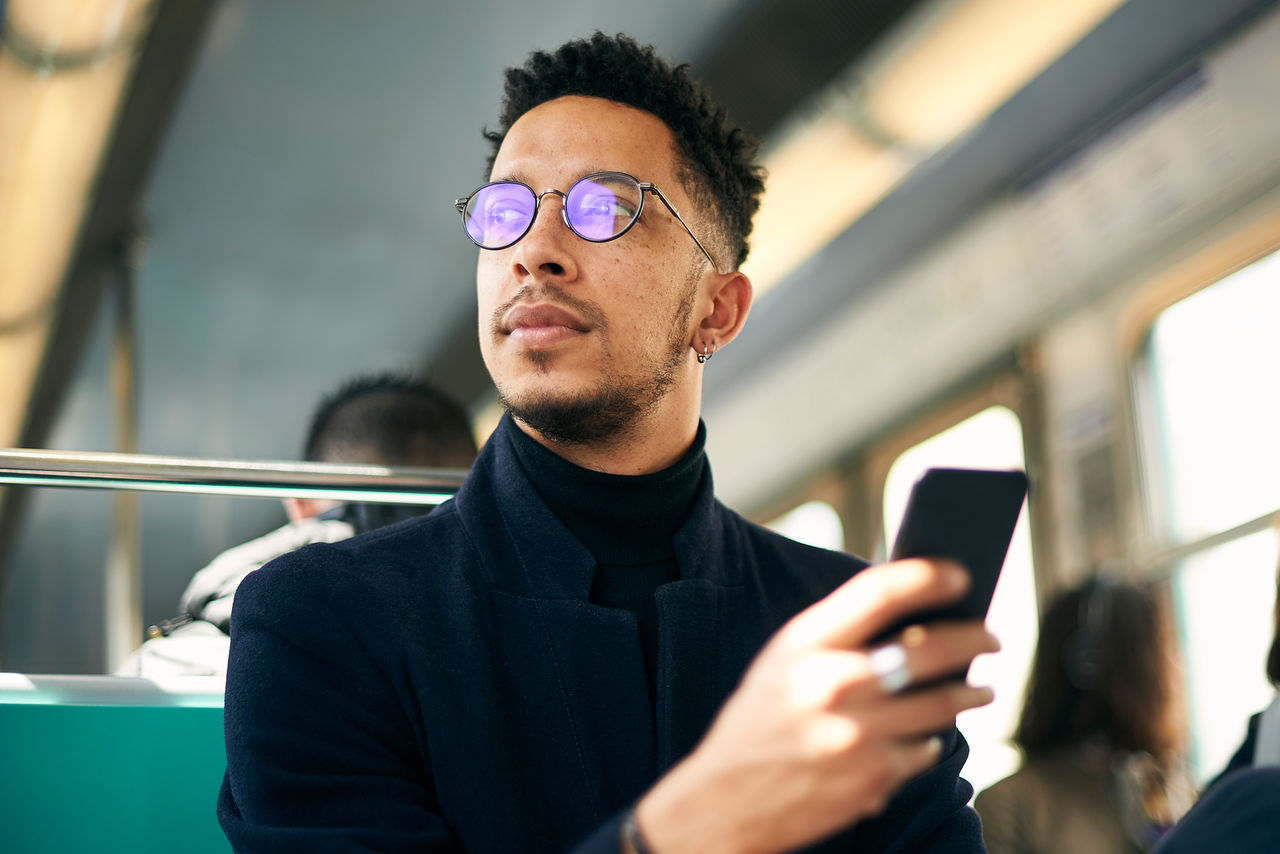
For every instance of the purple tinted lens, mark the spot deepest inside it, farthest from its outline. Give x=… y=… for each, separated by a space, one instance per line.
x=601 y=207
x=499 y=214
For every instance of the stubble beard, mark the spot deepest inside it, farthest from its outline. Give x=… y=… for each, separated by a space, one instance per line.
x=616 y=406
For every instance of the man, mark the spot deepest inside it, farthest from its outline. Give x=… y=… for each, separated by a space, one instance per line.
x=561 y=657
x=384 y=419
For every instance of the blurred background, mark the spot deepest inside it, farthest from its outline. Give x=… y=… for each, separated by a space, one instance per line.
x=995 y=233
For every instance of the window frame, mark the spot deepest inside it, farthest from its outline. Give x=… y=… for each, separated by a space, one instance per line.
x=1156 y=554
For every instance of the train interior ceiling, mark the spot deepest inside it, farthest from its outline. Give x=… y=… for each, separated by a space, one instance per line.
x=996 y=233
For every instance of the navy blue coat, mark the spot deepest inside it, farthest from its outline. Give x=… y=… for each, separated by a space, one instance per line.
x=445 y=685
x=1238 y=816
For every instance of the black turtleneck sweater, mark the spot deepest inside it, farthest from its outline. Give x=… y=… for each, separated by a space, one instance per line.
x=627 y=523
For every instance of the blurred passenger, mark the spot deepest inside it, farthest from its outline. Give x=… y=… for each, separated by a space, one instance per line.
x=1099 y=730
x=1261 y=744
x=385 y=419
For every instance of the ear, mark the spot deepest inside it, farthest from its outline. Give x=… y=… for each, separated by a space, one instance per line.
x=730 y=296
x=300 y=509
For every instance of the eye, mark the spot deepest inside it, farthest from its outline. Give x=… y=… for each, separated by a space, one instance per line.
x=502 y=212
x=598 y=208
x=603 y=204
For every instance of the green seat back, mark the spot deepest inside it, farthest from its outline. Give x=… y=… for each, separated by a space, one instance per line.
x=126 y=775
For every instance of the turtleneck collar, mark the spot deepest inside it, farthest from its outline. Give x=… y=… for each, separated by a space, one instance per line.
x=621 y=519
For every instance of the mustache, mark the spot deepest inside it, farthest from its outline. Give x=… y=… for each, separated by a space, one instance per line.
x=550 y=293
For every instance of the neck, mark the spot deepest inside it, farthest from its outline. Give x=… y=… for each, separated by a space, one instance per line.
x=642 y=449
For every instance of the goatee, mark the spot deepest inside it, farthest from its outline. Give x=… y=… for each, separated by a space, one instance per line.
x=610 y=411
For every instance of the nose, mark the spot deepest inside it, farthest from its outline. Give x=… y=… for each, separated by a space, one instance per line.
x=547 y=249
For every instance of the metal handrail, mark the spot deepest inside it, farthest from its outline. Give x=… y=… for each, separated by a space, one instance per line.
x=1167 y=557
x=262 y=478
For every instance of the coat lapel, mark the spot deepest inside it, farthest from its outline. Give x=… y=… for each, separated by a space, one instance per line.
x=606 y=727
x=701 y=650
x=612 y=717
x=610 y=726
x=693 y=665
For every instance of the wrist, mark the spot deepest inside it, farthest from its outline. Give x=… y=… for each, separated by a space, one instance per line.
x=632 y=839
x=684 y=813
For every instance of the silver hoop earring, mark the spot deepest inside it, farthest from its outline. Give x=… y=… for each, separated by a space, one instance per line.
x=705 y=355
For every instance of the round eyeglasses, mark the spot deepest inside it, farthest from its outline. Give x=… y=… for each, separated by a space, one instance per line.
x=599 y=207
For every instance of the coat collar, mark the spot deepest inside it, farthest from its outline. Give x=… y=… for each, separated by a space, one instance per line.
x=531 y=553
x=526 y=551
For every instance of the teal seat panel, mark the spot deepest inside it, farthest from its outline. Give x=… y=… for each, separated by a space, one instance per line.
x=113 y=777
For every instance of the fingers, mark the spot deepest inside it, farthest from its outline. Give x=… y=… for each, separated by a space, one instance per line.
x=919 y=713
x=890 y=666
x=925 y=654
x=895 y=765
x=915 y=756
x=876 y=598
x=921 y=654
x=845 y=681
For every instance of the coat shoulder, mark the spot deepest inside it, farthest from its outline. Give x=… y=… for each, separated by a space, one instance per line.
x=778 y=563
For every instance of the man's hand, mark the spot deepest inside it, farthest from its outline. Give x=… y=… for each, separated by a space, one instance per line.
x=813 y=739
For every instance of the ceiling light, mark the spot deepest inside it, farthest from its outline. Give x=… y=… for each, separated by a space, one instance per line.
x=63 y=66
x=936 y=77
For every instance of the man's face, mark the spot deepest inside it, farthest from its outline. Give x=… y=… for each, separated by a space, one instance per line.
x=583 y=339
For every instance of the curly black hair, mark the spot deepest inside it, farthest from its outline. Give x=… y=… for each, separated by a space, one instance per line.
x=716 y=156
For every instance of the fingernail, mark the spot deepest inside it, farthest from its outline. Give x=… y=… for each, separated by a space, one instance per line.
x=913 y=635
x=981 y=695
x=955 y=577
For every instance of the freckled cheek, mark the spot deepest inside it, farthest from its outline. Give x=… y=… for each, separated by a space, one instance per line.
x=641 y=313
x=643 y=256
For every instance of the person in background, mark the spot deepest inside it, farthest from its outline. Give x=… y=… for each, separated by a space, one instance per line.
x=384 y=419
x=1100 y=732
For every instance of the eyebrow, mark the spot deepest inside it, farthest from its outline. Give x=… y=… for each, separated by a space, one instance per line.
x=518 y=177
x=522 y=178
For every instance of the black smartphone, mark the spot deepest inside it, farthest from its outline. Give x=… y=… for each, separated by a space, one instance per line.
x=967 y=515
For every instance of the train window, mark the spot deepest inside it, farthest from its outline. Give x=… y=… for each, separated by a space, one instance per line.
x=1207 y=410
x=990 y=439
x=1225 y=632
x=1212 y=407
x=814 y=522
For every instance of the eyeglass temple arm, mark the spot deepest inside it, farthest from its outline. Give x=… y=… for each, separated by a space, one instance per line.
x=645 y=185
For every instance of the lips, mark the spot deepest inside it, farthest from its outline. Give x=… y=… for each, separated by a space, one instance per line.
x=542 y=327
x=541 y=317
